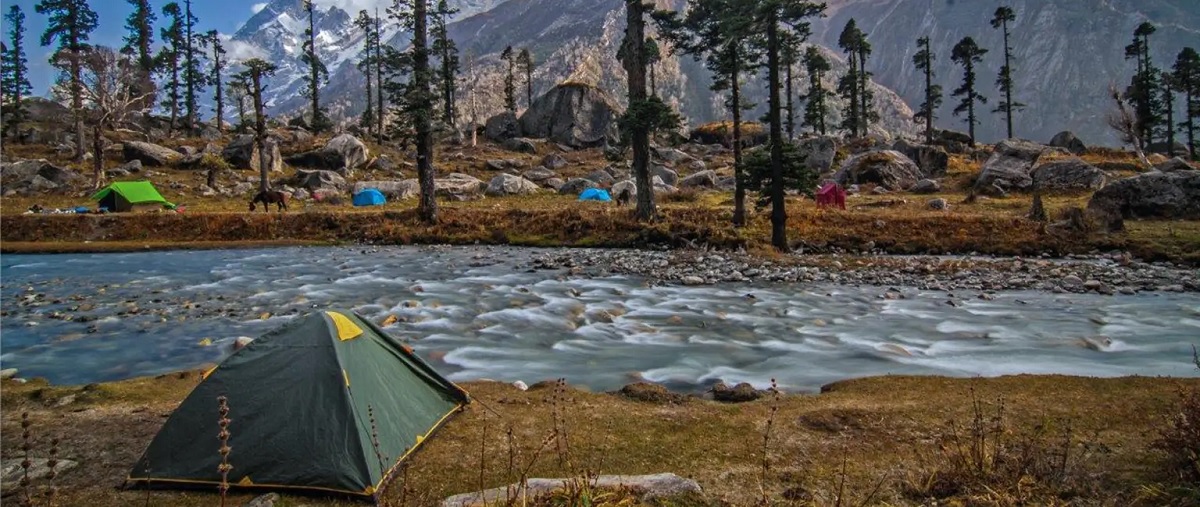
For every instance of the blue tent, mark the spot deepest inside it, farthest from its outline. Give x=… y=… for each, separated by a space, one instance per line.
x=369 y=197
x=595 y=194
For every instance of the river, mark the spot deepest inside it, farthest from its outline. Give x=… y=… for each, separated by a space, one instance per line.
x=484 y=313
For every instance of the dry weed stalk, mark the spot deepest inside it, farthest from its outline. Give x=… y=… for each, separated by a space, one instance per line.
x=26 y=446
x=223 y=436
x=765 y=499
x=52 y=474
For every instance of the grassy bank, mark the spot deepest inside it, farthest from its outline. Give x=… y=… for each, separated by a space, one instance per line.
x=893 y=440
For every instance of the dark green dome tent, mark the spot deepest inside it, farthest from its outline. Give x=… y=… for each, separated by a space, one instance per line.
x=301 y=399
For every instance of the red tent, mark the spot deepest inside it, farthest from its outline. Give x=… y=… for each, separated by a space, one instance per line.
x=831 y=194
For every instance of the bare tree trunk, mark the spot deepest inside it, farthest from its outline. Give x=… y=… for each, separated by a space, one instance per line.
x=77 y=103
x=635 y=66
x=778 y=214
x=428 y=206
x=739 y=188
x=260 y=137
x=98 y=156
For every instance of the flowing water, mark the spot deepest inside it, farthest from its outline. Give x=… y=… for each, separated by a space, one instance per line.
x=482 y=313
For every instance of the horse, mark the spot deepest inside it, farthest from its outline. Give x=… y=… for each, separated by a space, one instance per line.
x=269 y=197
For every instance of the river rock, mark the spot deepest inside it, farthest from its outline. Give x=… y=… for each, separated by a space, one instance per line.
x=507 y=184
x=8 y=373
x=702 y=179
x=648 y=488
x=1067 y=141
x=933 y=160
x=650 y=393
x=574 y=114
x=1173 y=195
x=888 y=169
x=1010 y=167
x=554 y=162
x=740 y=393
x=150 y=154
x=394 y=190
x=342 y=154
x=1071 y=174
x=520 y=145
x=926 y=186
x=501 y=127
x=319 y=179
x=668 y=176
x=576 y=186
x=267 y=500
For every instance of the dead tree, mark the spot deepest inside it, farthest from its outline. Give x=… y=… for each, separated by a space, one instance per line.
x=112 y=95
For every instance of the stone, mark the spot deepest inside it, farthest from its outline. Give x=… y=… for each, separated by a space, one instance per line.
x=650 y=393
x=267 y=500
x=241 y=153
x=938 y=204
x=1010 y=167
x=692 y=280
x=625 y=192
x=574 y=114
x=601 y=177
x=538 y=174
x=576 y=186
x=318 y=179
x=383 y=163
x=1173 y=195
x=554 y=162
x=503 y=164
x=520 y=145
x=394 y=190
x=1072 y=174
x=521 y=386
x=1175 y=164
x=926 y=186
x=671 y=156
x=1068 y=141
x=8 y=373
x=36 y=173
x=342 y=154
x=1170 y=150
x=501 y=127
x=933 y=160
x=668 y=176
x=721 y=133
x=696 y=166
x=459 y=186
x=133 y=166
x=1072 y=281
x=740 y=393
x=554 y=183
x=11 y=473
x=819 y=152
x=150 y=154
x=702 y=179
x=507 y=184
x=888 y=169
x=648 y=487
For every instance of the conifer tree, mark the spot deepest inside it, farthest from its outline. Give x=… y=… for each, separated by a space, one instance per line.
x=967 y=53
x=366 y=64
x=1003 y=16
x=1168 y=98
x=633 y=57
x=14 y=72
x=447 y=52
x=816 y=109
x=933 y=93
x=866 y=95
x=791 y=56
x=415 y=98
x=1186 y=74
x=193 y=74
x=380 y=104
x=239 y=91
x=140 y=25
x=317 y=72
x=255 y=73
x=850 y=85
x=167 y=61
x=525 y=60
x=1144 y=91
x=653 y=56
x=510 y=88
x=70 y=23
x=213 y=39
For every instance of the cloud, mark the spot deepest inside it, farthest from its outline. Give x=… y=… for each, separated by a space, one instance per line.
x=240 y=51
x=256 y=8
x=353 y=6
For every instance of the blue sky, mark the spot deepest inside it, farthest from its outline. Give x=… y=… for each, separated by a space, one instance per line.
x=225 y=16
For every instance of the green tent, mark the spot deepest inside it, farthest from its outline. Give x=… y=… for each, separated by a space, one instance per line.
x=124 y=195
x=301 y=401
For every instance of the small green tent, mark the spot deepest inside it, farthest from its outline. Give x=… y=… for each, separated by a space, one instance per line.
x=301 y=401
x=124 y=195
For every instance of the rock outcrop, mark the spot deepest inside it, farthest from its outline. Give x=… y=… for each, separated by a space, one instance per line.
x=342 y=154
x=319 y=179
x=242 y=153
x=1068 y=141
x=1172 y=195
x=507 y=184
x=1010 y=167
x=888 y=169
x=501 y=127
x=394 y=190
x=151 y=155
x=574 y=114
x=819 y=152
x=1067 y=175
x=933 y=160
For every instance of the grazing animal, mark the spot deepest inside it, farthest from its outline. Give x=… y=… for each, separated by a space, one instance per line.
x=625 y=197
x=269 y=197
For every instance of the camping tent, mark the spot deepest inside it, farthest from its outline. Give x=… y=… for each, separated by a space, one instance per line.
x=124 y=195
x=327 y=403
x=595 y=194
x=831 y=195
x=370 y=197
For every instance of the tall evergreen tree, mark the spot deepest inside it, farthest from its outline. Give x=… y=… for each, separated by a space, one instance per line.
x=967 y=53
x=416 y=96
x=318 y=74
x=866 y=96
x=239 y=91
x=653 y=56
x=167 y=61
x=817 y=109
x=525 y=60
x=510 y=87
x=140 y=25
x=71 y=23
x=366 y=64
x=933 y=93
x=1144 y=91
x=633 y=57
x=1186 y=74
x=449 y=64
x=790 y=55
x=1000 y=20
x=380 y=104
x=1168 y=98
x=14 y=79
x=850 y=85
x=213 y=39
x=723 y=32
x=193 y=73
x=254 y=75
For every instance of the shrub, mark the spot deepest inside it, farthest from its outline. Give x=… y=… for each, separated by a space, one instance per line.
x=1179 y=440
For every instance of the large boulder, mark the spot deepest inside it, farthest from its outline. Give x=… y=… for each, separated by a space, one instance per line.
x=668 y=176
x=318 y=179
x=1067 y=141
x=151 y=155
x=574 y=114
x=819 y=152
x=702 y=179
x=625 y=191
x=1175 y=164
x=342 y=154
x=576 y=186
x=721 y=132
x=242 y=153
x=926 y=186
x=888 y=169
x=1010 y=167
x=554 y=162
x=1173 y=195
x=394 y=190
x=601 y=177
x=459 y=186
x=538 y=174
x=507 y=184
x=933 y=160
x=501 y=127
x=1166 y=149
x=1070 y=174
x=520 y=145
x=36 y=175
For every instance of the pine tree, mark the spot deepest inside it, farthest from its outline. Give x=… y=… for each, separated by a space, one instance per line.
x=1168 y=97
x=850 y=85
x=380 y=105
x=525 y=60
x=14 y=79
x=723 y=31
x=816 y=109
x=213 y=39
x=1143 y=92
x=317 y=72
x=366 y=64
x=447 y=51
x=510 y=88
x=415 y=98
x=71 y=23
x=791 y=56
x=866 y=106
x=193 y=74
x=967 y=53
x=653 y=56
x=933 y=93
x=633 y=57
x=167 y=61
x=1186 y=74
x=239 y=90
x=1003 y=16
x=257 y=70
x=140 y=25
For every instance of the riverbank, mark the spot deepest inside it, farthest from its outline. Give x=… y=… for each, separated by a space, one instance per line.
x=884 y=437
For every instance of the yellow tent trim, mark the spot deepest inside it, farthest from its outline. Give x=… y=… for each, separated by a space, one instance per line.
x=205 y=375
x=246 y=481
x=346 y=375
x=346 y=329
